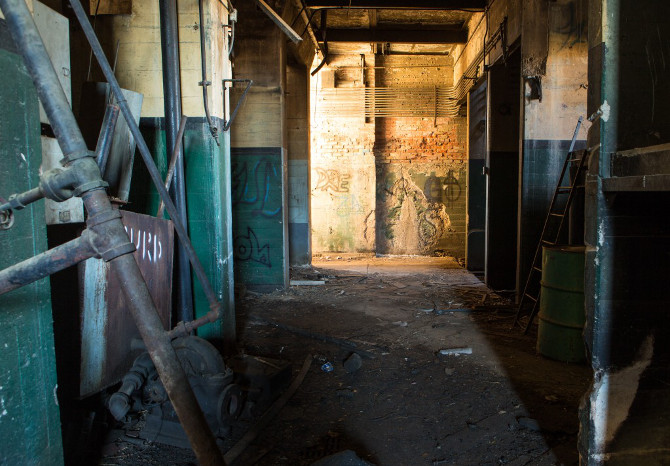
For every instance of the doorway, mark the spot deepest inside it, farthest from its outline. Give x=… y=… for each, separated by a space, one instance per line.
x=502 y=169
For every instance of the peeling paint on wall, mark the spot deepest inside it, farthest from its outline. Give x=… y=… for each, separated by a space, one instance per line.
x=612 y=397
x=412 y=208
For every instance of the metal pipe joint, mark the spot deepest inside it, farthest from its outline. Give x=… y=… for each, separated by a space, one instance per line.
x=106 y=235
x=119 y=403
x=60 y=184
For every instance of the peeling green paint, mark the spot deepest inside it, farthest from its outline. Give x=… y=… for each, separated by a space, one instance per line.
x=29 y=415
x=207 y=172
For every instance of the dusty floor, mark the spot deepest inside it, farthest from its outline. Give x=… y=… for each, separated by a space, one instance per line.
x=408 y=404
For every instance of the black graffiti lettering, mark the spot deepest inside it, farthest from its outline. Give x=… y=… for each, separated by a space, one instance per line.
x=248 y=248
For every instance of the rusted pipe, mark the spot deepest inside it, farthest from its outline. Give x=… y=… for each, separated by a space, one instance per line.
x=173 y=162
x=183 y=329
x=143 y=149
x=108 y=236
x=169 y=30
x=106 y=137
x=40 y=266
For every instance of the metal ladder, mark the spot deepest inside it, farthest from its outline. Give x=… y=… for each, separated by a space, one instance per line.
x=531 y=292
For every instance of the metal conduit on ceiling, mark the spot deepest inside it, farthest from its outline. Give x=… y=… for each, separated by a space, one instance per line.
x=389 y=102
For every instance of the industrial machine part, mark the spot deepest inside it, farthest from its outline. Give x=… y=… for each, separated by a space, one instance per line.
x=242 y=389
x=219 y=397
x=104 y=236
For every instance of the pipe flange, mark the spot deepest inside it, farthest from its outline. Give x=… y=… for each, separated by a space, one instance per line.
x=69 y=158
x=6 y=219
x=51 y=182
x=103 y=217
x=89 y=187
x=117 y=251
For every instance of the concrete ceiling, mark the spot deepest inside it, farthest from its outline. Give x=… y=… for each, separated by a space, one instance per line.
x=434 y=27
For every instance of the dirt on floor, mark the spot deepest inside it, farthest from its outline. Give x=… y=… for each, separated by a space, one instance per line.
x=443 y=379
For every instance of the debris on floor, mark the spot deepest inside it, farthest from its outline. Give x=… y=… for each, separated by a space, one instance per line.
x=391 y=398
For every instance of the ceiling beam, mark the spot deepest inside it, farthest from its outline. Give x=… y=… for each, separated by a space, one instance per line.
x=398 y=36
x=399 y=4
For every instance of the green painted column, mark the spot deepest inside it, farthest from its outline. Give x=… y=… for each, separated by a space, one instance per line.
x=29 y=415
x=207 y=170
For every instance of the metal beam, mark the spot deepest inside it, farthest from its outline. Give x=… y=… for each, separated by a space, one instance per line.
x=277 y=19
x=399 y=4
x=399 y=36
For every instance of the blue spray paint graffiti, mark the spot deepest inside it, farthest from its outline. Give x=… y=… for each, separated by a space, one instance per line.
x=257 y=178
x=259 y=187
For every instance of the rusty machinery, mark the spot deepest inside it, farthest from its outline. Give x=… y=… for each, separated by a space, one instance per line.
x=104 y=236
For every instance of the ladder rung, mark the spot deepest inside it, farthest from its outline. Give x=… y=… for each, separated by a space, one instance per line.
x=554 y=214
x=539 y=269
x=564 y=189
x=544 y=241
x=574 y=160
x=532 y=298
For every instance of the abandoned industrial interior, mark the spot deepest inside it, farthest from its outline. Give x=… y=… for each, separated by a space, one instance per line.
x=334 y=232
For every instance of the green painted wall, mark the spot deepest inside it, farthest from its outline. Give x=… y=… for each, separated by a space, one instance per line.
x=258 y=220
x=29 y=416
x=208 y=203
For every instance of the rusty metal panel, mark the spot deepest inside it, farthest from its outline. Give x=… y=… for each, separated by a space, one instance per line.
x=107 y=327
x=119 y=168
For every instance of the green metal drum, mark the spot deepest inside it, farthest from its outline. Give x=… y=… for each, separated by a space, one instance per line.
x=561 y=316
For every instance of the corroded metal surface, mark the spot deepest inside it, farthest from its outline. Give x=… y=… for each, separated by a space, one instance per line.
x=107 y=325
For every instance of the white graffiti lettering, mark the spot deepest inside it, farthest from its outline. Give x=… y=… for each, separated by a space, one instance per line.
x=149 y=246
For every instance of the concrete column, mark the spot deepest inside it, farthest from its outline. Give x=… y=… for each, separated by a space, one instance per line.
x=207 y=165
x=624 y=413
x=259 y=160
x=554 y=63
x=297 y=122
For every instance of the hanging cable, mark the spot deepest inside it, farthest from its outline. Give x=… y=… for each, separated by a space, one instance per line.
x=204 y=83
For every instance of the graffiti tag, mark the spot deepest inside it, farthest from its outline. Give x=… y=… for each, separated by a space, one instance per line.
x=248 y=248
x=258 y=186
x=446 y=190
x=148 y=246
x=333 y=180
x=348 y=205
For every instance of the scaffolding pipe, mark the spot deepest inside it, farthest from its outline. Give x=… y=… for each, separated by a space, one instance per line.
x=108 y=236
x=40 y=266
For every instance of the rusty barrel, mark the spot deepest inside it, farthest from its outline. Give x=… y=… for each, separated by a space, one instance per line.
x=561 y=316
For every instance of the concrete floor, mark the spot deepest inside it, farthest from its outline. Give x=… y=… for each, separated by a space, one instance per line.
x=408 y=404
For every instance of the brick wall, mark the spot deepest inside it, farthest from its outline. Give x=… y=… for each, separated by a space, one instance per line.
x=343 y=185
x=420 y=167
x=388 y=185
x=421 y=171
